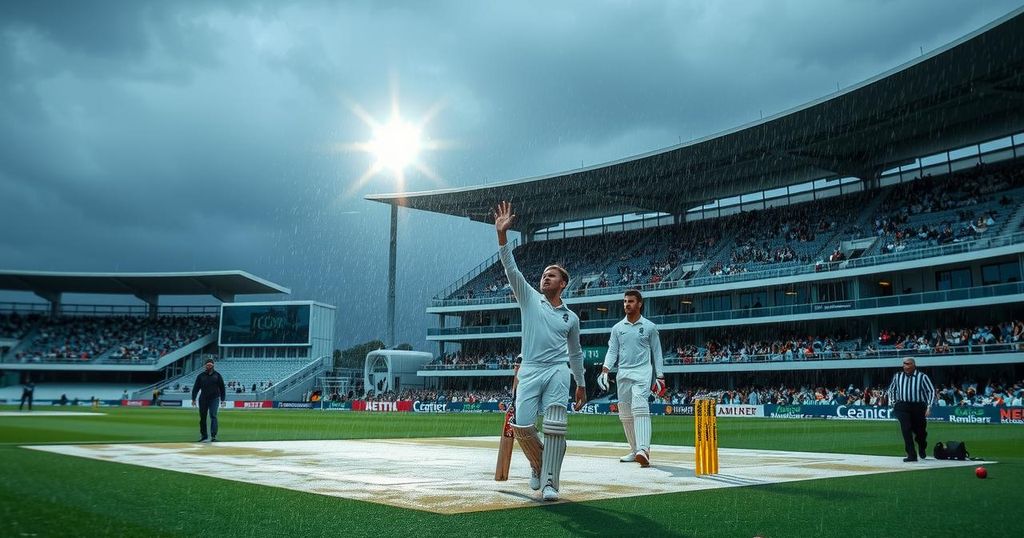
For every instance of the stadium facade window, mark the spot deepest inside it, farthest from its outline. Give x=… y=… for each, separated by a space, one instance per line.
x=962 y=153
x=792 y=295
x=830 y=292
x=953 y=279
x=993 y=145
x=938 y=158
x=1000 y=273
x=716 y=303
x=757 y=299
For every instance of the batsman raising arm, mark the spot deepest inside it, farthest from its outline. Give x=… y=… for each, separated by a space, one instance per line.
x=551 y=338
x=632 y=347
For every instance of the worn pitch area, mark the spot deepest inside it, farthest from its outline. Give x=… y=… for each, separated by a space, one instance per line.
x=456 y=474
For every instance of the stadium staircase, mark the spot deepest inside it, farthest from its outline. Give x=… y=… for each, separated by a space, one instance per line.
x=22 y=345
x=1016 y=219
x=864 y=222
x=166 y=359
x=293 y=387
x=468 y=281
x=726 y=246
x=610 y=269
x=290 y=373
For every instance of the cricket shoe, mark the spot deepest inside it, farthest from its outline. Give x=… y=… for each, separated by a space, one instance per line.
x=631 y=457
x=643 y=458
x=549 y=493
x=534 y=480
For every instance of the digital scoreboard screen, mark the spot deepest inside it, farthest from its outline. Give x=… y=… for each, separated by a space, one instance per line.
x=257 y=325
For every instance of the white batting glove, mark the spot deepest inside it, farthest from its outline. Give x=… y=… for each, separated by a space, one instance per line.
x=602 y=381
x=659 y=386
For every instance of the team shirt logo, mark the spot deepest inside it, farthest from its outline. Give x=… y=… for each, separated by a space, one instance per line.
x=565 y=318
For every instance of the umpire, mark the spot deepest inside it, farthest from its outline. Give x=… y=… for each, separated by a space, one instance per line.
x=210 y=388
x=912 y=395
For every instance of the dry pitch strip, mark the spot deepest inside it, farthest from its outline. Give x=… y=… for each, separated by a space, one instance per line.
x=456 y=474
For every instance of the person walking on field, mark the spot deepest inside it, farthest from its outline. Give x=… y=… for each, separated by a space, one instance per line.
x=551 y=339
x=209 y=386
x=634 y=346
x=28 y=390
x=912 y=394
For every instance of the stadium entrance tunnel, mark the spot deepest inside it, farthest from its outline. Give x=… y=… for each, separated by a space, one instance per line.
x=456 y=474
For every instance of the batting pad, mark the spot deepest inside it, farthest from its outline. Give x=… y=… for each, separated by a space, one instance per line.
x=529 y=441
x=555 y=426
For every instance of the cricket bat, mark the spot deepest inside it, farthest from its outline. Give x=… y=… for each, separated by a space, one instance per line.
x=507 y=435
x=506 y=444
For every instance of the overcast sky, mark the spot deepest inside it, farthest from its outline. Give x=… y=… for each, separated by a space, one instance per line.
x=199 y=135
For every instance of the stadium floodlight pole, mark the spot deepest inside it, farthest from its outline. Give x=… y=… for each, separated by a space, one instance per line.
x=392 y=251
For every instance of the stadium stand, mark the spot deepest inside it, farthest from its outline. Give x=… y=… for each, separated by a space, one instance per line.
x=15 y=325
x=960 y=393
x=967 y=392
x=933 y=211
x=972 y=209
x=82 y=392
x=484 y=361
x=128 y=350
x=240 y=376
x=126 y=339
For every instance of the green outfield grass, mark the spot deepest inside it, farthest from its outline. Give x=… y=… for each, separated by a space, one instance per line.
x=43 y=494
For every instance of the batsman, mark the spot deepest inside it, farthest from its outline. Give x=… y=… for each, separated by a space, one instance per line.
x=633 y=347
x=551 y=340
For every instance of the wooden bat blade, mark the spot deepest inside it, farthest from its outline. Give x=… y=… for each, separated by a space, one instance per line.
x=505 y=446
x=504 y=459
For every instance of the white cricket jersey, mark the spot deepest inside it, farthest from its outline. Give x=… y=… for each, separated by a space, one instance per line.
x=550 y=335
x=631 y=346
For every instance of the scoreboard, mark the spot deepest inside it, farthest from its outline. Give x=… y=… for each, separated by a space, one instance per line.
x=267 y=324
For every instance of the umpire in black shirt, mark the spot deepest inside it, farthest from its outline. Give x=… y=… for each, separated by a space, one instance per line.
x=912 y=395
x=210 y=388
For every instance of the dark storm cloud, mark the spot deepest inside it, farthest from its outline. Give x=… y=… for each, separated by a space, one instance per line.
x=160 y=136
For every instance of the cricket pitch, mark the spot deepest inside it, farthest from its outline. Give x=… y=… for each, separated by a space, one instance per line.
x=456 y=474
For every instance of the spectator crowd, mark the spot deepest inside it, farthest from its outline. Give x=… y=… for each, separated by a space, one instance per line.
x=926 y=212
x=125 y=338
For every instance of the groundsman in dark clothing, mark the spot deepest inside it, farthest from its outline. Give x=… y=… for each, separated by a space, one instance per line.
x=210 y=388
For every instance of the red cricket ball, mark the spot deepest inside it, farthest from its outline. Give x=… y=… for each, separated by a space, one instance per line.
x=981 y=472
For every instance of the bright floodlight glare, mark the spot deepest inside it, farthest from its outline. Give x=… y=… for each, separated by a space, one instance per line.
x=395 y=144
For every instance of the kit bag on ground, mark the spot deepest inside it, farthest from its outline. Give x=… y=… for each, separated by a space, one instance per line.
x=951 y=450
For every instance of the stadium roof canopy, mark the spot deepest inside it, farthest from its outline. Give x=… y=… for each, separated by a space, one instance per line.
x=967 y=92
x=223 y=285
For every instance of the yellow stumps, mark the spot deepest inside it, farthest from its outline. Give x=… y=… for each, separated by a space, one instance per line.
x=706 y=442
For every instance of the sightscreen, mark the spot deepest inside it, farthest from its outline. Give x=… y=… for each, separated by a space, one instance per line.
x=243 y=325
